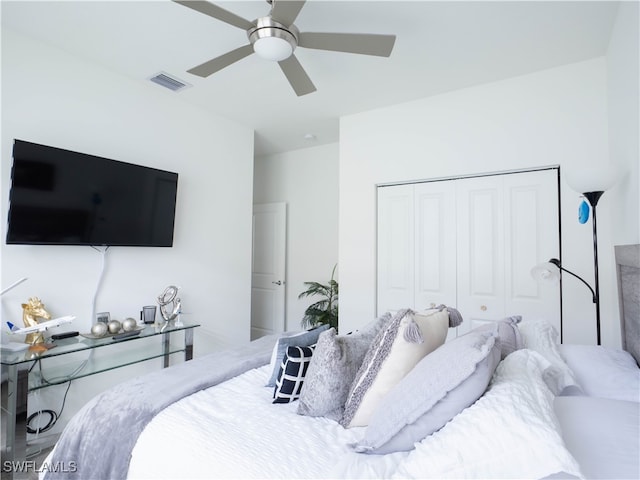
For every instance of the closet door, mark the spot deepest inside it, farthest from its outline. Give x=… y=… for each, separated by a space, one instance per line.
x=532 y=230
x=396 y=259
x=506 y=225
x=416 y=246
x=470 y=243
x=481 y=250
x=435 y=244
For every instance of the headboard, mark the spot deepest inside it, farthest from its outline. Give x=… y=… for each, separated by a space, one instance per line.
x=628 y=272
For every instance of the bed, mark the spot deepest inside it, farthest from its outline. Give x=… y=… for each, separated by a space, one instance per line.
x=392 y=400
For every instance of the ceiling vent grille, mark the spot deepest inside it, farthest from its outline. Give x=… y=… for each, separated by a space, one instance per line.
x=169 y=82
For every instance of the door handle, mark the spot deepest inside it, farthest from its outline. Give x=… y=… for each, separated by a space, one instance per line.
x=277 y=283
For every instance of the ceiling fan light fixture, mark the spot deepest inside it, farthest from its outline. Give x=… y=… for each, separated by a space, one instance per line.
x=273 y=48
x=272 y=40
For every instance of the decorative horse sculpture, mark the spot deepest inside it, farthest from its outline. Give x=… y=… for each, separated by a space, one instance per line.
x=31 y=311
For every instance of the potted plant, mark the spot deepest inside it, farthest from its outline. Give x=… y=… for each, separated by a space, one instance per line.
x=324 y=311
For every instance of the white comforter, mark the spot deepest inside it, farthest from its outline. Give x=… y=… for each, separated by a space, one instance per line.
x=234 y=431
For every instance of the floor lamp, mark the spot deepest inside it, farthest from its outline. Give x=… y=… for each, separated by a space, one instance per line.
x=591 y=183
x=550 y=271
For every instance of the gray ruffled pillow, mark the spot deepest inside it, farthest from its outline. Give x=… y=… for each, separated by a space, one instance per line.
x=509 y=333
x=336 y=361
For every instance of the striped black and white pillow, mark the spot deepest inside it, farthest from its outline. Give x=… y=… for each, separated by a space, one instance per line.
x=291 y=375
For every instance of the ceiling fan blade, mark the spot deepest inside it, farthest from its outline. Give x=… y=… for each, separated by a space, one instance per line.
x=286 y=12
x=218 y=63
x=217 y=12
x=296 y=75
x=362 y=43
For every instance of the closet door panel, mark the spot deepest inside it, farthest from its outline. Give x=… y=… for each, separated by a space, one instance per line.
x=480 y=246
x=435 y=225
x=396 y=232
x=531 y=225
x=470 y=243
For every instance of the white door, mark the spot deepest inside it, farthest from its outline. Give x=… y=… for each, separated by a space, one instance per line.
x=506 y=225
x=435 y=240
x=533 y=225
x=416 y=246
x=470 y=243
x=395 y=248
x=268 y=269
x=481 y=250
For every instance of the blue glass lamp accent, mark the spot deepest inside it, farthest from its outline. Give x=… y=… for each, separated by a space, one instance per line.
x=583 y=212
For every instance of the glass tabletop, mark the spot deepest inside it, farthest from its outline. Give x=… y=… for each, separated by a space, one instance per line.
x=85 y=342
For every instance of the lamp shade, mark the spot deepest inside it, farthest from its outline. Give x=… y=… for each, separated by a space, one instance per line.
x=273 y=48
x=598 y=178
x=547 y=272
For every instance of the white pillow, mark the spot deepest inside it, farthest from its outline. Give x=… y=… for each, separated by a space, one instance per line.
x=439 y=387
x=510 y=432
x=604 y=372
x=542 y=337
x=393 y=353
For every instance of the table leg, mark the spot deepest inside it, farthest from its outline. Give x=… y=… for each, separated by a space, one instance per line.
x=166 y=342
x=188 y=344
x=16 y=426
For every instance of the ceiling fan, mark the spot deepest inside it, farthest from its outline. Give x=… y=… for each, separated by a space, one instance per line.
x=275 y=37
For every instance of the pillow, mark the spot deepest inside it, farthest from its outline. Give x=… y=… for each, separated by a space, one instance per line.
x=302 y=339
x=274 y=353
x=507 y=330
x=542 y=337
x=602 y=434
x=440 y=386
x=604 y=372
x=292 y=372
x=393 y=353
x=336 y=361
x=509 y=432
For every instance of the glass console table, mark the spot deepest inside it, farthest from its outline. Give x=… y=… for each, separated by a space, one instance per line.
x=22 y=378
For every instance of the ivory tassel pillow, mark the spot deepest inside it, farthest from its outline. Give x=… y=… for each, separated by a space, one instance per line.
x=393 y=353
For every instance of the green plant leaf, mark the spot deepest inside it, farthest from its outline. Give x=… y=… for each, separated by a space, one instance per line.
x=324 y=311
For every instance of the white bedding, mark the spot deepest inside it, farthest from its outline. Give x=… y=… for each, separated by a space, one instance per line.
x=237 y=422
x=234 y=431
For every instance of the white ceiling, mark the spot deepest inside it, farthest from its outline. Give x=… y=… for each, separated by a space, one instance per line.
x=440 y=46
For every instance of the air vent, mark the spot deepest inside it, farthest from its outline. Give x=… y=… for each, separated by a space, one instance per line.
x=169 y=82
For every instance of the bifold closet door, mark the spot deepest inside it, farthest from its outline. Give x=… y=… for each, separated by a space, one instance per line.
x=532 y=225
x=470 y=243
x=505 y=225
x=435 y=244
x=480 y=244
x=416 y=246
x=396 y=264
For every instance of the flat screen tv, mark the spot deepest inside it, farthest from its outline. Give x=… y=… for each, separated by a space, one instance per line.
x=60 y=197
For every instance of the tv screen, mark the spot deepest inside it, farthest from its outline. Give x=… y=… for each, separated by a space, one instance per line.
x=60 y=197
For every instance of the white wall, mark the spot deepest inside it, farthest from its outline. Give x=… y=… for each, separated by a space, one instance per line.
x=553 y=117
x=623 y=78
x=52 y=98
x=307 y=180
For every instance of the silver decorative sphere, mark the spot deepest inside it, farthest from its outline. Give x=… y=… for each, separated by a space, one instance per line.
x=99 y=329
x=114 y=326
x=129 y=324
